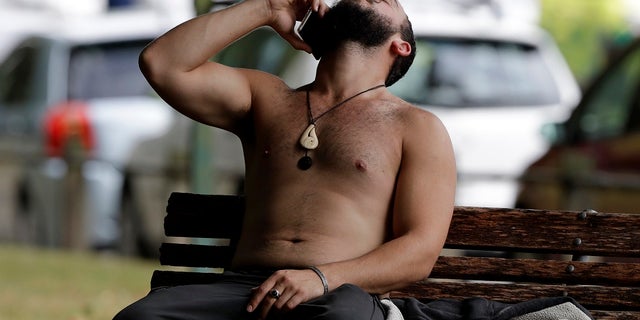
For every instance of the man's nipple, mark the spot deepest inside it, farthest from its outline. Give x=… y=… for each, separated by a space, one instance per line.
x=361 y=165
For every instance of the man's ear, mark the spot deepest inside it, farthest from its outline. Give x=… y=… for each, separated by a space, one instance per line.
x=400 y=47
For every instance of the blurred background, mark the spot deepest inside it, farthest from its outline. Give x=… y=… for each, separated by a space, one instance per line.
x=541 y=99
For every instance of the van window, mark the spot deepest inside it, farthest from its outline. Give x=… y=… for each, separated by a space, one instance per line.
x=107 y=70
x=477 y=73
x=17 y=75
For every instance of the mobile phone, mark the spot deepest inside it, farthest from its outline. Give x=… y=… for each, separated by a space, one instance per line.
x=310 y=31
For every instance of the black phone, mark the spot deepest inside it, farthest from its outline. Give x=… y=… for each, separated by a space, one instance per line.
x=310 y=31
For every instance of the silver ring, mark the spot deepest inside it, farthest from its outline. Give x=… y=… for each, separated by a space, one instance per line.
x=274 y=293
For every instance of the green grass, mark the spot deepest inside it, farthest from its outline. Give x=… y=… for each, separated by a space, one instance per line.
x=47 y=284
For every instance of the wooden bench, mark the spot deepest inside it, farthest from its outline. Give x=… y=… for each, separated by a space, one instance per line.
x=509 y=255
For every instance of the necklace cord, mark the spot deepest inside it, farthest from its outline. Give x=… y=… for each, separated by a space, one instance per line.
x=309 y=139
x=313 y=120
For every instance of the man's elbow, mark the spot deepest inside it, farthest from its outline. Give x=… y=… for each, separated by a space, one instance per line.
x=421 y=273
x=150 y=67
x=417 y=273
x=424 y=264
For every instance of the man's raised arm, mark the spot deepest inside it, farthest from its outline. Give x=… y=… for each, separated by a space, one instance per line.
x=177 y=63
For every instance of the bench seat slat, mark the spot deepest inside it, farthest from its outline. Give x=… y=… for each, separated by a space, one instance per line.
x=591 y=297
x=543 y=230
x=531 y=270
x=615 y=315
x=193 y=255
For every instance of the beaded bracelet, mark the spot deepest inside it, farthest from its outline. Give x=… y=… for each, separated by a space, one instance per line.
x=325 y=284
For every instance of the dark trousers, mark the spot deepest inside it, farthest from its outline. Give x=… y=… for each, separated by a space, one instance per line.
x=227 y=300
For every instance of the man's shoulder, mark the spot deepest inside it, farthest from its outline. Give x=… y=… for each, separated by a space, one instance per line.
x=418 y=122
x=267 y=87
x=261 y=79
x=413 y=115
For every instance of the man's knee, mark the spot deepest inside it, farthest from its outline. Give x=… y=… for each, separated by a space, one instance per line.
x=132 y=312
x=138 y=310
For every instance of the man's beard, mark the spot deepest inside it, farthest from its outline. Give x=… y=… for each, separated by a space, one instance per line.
x=348 y=21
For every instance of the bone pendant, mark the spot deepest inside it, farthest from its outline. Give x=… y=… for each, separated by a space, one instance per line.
x=309 y=139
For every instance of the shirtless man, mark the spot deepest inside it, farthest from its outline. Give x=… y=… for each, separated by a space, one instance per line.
x=370 y=210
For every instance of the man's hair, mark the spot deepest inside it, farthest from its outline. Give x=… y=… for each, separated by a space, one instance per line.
x=401 y=65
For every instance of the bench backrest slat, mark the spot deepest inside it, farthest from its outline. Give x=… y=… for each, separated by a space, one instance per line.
x=204 y=216
x=197 y=256
x=536 y=270
x=579 y=233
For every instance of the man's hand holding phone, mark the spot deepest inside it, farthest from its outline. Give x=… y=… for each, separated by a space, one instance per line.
x=310 y=31
x=284 y=15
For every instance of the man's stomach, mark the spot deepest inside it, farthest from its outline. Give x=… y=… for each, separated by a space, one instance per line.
x=327 y=218
x=314 y=239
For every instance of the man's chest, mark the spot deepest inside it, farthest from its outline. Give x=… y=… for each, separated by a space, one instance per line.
x=345 y=139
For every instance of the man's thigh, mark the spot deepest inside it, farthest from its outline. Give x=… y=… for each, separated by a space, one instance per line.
x=348 y=302
x=225 y=300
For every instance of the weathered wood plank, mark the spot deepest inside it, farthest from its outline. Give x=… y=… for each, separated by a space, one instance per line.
x=615 y=315
x=542 y=271
x=545 y=231
x=591 y=297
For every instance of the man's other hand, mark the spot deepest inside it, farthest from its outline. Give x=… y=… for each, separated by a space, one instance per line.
x=283 y=291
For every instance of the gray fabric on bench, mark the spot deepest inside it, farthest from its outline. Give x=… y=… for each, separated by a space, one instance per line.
x=483 y=309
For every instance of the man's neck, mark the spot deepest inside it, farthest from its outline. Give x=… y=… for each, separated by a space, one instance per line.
x=342 y=73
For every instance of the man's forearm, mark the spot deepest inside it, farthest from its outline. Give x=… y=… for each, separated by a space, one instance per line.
x=194 y=42
x=393 y=265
